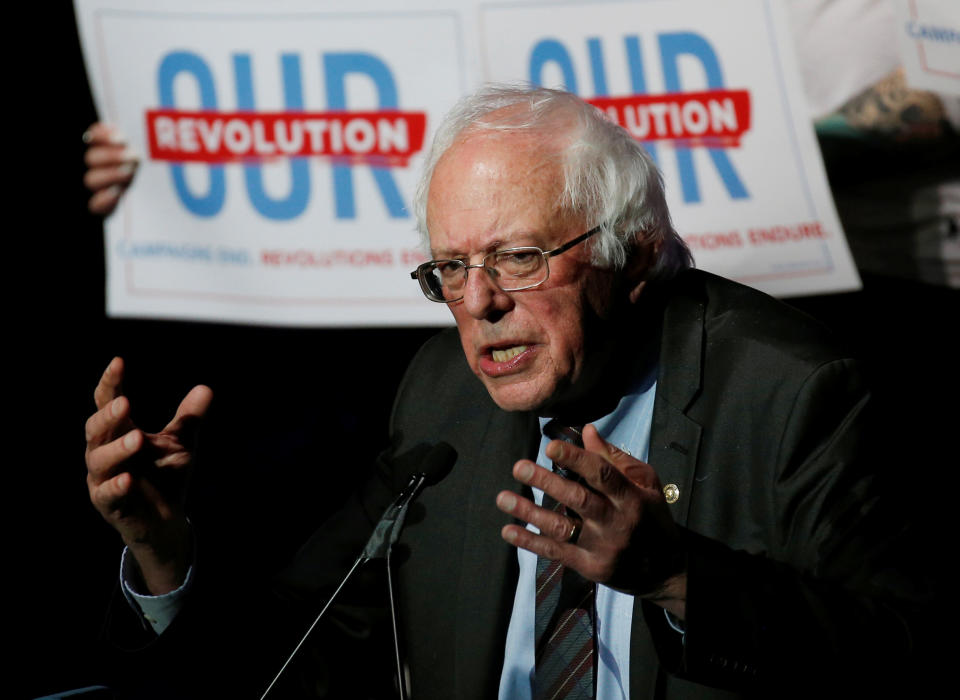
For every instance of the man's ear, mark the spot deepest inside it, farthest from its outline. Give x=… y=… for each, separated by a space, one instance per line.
x=635 y=273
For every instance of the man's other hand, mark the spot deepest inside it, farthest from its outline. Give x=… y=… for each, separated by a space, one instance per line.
x=137 y=480
x=627 y=539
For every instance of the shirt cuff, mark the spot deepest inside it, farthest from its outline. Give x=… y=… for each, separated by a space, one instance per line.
x=156 y=610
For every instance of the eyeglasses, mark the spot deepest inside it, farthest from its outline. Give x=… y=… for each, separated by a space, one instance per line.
x=511 y=270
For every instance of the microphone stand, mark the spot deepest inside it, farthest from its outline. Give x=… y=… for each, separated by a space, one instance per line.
x=379 y=546
x=392 y=536
x=394 y=617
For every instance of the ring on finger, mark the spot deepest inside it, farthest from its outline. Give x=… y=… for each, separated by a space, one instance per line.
x=576 y=525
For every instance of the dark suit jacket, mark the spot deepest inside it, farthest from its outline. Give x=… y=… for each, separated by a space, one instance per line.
x=761 y=422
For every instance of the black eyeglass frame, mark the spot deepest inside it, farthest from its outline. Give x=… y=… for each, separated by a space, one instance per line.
x=419 y=273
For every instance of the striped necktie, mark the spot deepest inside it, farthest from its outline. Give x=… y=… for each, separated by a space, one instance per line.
x=564 y=617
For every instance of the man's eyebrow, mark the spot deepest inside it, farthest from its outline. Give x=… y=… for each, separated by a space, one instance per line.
x=494 y=245
x=444 y=255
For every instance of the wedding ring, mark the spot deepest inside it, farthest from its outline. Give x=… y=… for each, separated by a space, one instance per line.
x=575 y=527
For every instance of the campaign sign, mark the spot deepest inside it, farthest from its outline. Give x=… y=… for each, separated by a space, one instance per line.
x=280 y=150
x=281 y=142
x=712 y=91
x=929 y=39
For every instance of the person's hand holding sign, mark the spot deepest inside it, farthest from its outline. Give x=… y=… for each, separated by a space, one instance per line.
x=111 y=165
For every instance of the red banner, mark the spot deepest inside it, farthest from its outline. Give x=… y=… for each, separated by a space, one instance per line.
x=384 y=138
x=716 y=118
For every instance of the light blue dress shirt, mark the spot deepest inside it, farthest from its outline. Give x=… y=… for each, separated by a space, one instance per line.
x=627 y=427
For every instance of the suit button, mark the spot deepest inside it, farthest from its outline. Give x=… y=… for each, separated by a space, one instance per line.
x=672 y=493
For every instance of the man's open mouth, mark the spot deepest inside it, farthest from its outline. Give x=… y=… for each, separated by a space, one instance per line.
x=507 y=353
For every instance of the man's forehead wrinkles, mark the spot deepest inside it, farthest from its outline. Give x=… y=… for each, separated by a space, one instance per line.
x=493 y=191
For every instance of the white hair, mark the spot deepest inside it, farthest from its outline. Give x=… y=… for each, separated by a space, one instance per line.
x=607 y=176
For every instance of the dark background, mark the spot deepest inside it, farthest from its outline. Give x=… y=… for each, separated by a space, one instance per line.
x=299 y=414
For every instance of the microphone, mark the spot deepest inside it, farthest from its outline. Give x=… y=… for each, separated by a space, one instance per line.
x=435 y=466
x=438 y=463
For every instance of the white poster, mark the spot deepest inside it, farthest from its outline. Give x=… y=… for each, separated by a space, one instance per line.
x=712 y=90
x=280 y=142
x=280 y=145
x=929 y=36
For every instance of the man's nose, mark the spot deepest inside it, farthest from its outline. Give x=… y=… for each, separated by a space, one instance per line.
x=481 y=295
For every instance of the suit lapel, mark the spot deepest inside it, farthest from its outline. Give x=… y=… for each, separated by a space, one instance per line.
x=674 y=437
x=488 y=570
x=674 y=444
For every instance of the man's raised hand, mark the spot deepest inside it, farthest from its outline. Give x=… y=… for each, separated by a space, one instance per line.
x=627 y=539
x=137 y=480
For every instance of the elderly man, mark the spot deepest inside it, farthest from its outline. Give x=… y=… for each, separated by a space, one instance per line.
x=707 y=521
